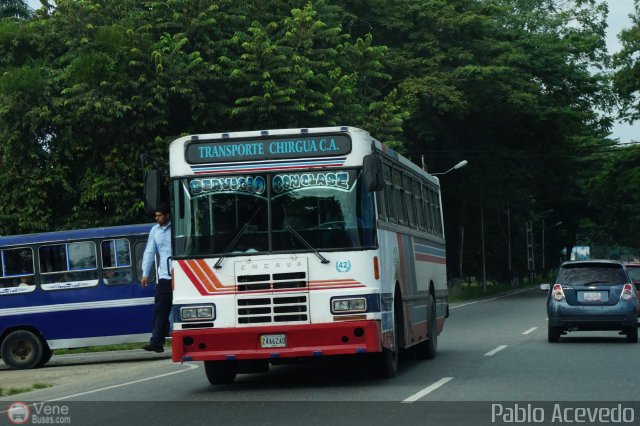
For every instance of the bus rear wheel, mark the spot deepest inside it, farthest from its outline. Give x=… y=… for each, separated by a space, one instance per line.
x=22 y=350
x=220 y=372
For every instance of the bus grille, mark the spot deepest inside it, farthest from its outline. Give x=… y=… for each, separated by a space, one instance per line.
x=281 y=281
x=273 y=309
x=273 y=291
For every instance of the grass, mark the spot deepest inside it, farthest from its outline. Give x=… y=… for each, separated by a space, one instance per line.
x=15 y=391
x=106 y=348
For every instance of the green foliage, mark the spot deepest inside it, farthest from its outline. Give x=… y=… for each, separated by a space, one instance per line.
x=16 y=9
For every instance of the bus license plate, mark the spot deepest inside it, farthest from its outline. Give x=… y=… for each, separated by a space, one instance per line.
x=592 y=296
x=273 y=341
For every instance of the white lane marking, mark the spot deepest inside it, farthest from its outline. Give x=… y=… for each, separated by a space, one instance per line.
x=488 y=300
x=189 y=367
x=427 y=390
x=531 y=330
x=495 y=351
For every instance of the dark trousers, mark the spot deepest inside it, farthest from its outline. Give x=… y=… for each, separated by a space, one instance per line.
x=161 y=311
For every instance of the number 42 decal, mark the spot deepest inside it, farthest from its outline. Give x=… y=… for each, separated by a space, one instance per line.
x=343 y=265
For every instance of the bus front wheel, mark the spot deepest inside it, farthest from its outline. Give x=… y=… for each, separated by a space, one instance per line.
x=427 y=348
x=22 y=350
x=385 y=364
x=220 y=372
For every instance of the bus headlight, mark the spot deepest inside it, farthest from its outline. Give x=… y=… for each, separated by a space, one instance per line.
x=355 y=304
x=197 y=313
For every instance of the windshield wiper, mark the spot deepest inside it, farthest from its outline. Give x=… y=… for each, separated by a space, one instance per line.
x=236 y=238
x=303 y=241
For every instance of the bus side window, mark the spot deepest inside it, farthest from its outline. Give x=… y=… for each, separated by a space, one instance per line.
x=388 y=192
x=116 y=262
x=68 y=262
x=16 y=267
x=139 y=252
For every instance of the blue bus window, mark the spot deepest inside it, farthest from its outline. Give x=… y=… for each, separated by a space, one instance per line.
x=17 y=267
x=70 y=262
x=82 y=256
x=116 y=262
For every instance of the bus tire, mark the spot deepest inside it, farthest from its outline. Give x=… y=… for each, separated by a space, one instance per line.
x=427 y=349
x=22 y=350
x=46 y=355
x=220 y=372
x=385 y=364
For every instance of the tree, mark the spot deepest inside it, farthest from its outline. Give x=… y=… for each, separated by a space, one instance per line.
x=18 y=9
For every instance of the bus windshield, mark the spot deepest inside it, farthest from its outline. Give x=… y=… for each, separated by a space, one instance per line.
x=272 y=212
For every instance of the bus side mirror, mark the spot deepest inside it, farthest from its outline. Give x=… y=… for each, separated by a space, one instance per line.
x=372 y=166
x=152 y=190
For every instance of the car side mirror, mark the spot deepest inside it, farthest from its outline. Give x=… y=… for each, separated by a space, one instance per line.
x=545 y=287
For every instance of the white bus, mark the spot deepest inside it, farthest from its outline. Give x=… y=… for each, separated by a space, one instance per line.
x=297 y=243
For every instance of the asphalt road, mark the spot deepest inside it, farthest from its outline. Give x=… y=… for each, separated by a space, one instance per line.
x=493 y=359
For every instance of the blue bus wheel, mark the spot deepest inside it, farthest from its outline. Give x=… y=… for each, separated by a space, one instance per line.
x=21 y=350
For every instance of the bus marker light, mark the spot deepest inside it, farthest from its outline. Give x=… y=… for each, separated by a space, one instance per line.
x=187 y=358
x=376 y=269
x=317 y=353
x=231 y=357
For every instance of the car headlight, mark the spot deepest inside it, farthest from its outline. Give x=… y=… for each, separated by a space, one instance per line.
x=354 y=304
x=196 y=313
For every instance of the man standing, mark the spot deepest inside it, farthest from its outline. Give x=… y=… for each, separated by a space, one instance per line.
x=159 y=243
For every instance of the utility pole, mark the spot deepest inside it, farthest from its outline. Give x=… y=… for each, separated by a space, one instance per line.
x=531 y=266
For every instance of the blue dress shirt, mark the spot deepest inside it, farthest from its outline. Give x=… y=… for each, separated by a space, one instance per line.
x=159 y=242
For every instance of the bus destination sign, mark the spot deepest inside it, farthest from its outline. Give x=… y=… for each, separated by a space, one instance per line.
x=301 y=146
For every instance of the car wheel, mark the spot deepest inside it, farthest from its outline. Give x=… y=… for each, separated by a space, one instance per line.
x=220 y=372
x=553 y=334
x=22 y=350
x=632 y=334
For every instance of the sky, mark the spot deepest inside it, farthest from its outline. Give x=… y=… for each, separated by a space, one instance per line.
x=619 y=11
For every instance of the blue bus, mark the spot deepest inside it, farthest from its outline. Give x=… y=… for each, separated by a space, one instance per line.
x=72 y=289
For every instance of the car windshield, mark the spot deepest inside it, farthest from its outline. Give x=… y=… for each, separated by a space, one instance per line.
x=592 y=274
x=279 y=212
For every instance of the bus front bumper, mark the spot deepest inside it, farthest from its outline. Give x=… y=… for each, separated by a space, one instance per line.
x=308 y=340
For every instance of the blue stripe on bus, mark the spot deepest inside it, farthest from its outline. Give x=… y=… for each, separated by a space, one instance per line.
x=87 y=322
x=429 y=248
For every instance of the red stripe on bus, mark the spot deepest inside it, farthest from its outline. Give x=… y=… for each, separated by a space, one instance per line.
x=429 y=258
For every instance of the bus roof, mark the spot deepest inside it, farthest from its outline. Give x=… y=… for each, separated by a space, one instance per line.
x=75 y=234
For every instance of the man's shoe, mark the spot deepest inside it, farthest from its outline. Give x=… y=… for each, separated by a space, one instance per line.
x=151 y=348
